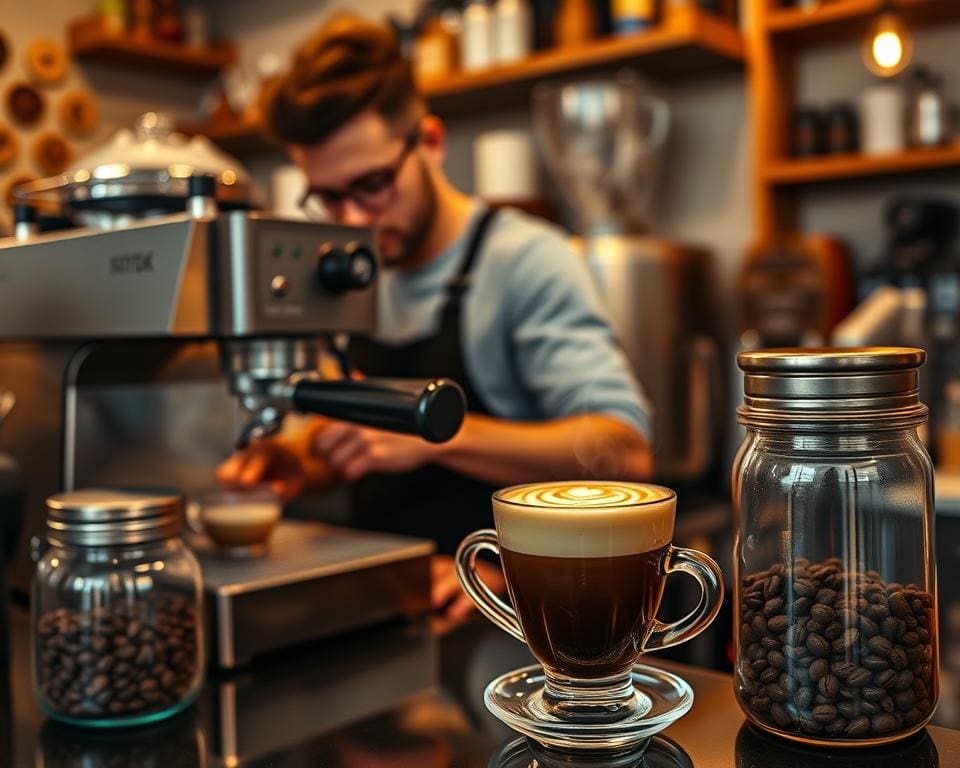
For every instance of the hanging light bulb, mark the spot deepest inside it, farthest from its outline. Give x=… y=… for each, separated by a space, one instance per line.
x=888 y=46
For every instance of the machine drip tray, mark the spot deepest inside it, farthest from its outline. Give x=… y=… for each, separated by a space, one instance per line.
x=312 y=581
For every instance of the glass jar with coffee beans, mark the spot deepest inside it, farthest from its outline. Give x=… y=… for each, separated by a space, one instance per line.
x=116 y=610
x=836 y=628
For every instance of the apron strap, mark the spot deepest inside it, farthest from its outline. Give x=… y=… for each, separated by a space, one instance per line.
x=461 y=281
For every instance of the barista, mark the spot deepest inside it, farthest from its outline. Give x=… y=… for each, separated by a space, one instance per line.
x=494 y=300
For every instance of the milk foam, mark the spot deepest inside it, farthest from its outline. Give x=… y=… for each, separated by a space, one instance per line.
x=246 y=513
x=584 y=519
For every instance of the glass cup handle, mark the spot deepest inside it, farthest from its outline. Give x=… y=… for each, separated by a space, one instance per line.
x=485 y=598
x=707 y=573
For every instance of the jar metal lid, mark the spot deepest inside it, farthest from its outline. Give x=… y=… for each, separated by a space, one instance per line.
x=107 y=517
x=860 y=387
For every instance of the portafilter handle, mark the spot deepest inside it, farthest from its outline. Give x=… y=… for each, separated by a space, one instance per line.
x=433 y=409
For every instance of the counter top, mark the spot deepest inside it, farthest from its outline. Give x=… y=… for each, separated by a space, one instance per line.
x=399 y=696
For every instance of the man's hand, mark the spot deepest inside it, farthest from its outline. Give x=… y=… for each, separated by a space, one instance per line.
x=354 y=451
x=266 y=461
x=447 y=595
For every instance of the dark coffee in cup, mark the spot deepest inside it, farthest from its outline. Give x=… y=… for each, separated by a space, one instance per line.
x=585 y=569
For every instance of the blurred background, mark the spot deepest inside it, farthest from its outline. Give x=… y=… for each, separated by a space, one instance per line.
x=768 y=173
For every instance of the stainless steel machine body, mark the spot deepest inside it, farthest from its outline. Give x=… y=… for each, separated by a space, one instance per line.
x=137 y=355
x=658 y=297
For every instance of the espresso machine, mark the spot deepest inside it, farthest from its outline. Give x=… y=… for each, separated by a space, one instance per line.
x=142 y=350
x=601 y=140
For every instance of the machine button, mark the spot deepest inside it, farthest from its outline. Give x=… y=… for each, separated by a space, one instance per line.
x=279 y=286
x=277 y=251
x=353 y=267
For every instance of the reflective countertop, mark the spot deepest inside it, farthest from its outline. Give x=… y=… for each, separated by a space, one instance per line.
x=401 y=697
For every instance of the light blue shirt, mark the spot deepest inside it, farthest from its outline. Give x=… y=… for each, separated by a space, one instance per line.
x=536 y=342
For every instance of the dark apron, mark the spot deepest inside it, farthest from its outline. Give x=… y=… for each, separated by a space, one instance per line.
x=431 y=502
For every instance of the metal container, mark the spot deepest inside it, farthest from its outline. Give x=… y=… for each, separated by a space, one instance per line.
x=836 y=637
x=116 y=610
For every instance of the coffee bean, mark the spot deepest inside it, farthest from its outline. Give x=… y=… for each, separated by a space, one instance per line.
x=868 y=628
x=873 y=693
x=905 y=700
x=824 y=713
x=818 y=646
x=112 y=661
x=910 y=639
x=836 y=727
x=885 y=679
x=780 y=715
x=778 y=623
x=824 y=614
x=810 y=726
x=819 y=669
x=883 y=723
x=859 y=678
x=823 y=652
x=772 y=607
x=826 y=596
x=880 y=645
x=858 y=727
x=769 y=675
x=846 y=641
x=849 y=709
x=829 y=686
x=843 y=669
x=759 y=626
x=898 y=659
x=898 y=605
x=904 y=680
x=769 y=643
x=772 y=587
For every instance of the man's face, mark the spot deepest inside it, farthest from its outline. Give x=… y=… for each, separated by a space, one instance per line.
x=366 y=152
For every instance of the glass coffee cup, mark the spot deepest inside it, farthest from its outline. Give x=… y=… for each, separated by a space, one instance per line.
x=585 y=567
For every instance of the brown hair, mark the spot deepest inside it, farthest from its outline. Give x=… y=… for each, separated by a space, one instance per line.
x=348 y=65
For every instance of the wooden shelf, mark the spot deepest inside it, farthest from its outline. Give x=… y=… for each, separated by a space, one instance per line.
x=795 y=172
x=89 y=41
x=839 y=19
x=241 y=137
x=689 y=41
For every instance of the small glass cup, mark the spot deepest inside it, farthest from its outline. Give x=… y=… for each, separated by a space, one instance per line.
x=240 y=520
x=585 y=566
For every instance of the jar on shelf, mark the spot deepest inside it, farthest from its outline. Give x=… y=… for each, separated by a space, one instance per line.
x=116 y=610
x=836 y=637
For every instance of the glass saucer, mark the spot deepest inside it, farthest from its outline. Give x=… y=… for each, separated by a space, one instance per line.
x=655 y=752
x=516 y=699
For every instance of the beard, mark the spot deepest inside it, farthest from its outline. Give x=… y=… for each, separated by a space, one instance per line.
x=402 y=246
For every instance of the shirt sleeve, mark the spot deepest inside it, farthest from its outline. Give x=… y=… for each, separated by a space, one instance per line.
x=564 y=349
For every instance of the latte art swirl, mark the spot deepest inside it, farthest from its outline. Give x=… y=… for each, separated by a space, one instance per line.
x=584 y=518
x=579 y=496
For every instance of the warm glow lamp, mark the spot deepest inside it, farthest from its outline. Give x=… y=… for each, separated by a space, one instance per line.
x=887 y=47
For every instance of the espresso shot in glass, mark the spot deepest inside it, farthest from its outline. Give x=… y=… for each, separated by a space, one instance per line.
x=585 y=567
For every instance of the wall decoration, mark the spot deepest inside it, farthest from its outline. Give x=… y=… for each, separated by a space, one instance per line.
x=4 y=49
x=47 y=62
x=51 y=154
x=78 y=113
x=25 y=104
x=8 y=145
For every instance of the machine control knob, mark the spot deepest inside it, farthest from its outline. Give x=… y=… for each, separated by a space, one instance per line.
x=279 y=286
x=350 y=268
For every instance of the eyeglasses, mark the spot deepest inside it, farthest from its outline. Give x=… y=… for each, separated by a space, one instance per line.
x=373 y=191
